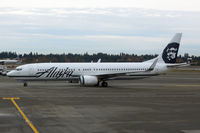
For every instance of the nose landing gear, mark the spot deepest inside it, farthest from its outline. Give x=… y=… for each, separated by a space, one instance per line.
x=25 y=84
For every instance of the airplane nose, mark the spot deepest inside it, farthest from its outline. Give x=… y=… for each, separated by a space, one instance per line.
x=9 y=74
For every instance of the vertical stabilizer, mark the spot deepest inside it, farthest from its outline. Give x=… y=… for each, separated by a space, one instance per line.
x=170 y=52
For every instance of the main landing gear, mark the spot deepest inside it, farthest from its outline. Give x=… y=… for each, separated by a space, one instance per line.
x=104 y=84
x=25 y=84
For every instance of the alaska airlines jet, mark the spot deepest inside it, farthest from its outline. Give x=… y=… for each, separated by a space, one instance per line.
x=93 y=74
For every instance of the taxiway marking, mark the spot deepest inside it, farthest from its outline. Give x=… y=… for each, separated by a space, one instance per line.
x=188 y=85
x=182 y=85
x=21 y=112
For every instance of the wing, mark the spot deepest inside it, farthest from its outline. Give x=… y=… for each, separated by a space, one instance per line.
x=111 y=75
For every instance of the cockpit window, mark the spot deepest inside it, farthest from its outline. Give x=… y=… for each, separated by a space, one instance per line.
x=18 y=69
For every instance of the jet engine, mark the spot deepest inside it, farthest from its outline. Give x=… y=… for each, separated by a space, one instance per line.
x=88 y=80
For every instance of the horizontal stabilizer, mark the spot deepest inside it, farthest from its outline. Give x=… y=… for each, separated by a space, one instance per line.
x=178 y=65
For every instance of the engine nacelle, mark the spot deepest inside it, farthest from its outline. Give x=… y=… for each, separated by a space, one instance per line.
x=88 y=80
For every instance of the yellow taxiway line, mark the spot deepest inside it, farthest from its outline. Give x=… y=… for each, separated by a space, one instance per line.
x=21 y=112
x=182 y=85
x=188 y=85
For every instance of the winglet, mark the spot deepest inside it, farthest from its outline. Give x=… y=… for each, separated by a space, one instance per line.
x=99 y=61
x=153 y=65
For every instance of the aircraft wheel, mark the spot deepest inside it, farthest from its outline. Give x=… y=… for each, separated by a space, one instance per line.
x=104 y=84
x=25 y=84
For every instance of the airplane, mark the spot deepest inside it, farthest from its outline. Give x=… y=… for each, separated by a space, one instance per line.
x=94 y=74
x=8 y=61
x=4 y=62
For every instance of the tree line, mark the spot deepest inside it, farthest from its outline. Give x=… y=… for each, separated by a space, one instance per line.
x=69 y=57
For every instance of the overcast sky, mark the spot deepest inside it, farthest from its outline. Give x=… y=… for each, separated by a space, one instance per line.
x=111 y=26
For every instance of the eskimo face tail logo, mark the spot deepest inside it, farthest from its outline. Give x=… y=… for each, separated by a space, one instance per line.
x=170 y=53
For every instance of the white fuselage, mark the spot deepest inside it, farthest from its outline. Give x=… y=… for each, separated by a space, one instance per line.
x=69 y=71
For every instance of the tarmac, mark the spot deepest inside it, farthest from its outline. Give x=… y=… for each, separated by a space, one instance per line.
x=162 y=104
